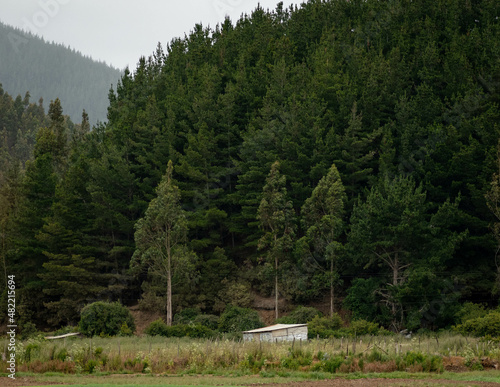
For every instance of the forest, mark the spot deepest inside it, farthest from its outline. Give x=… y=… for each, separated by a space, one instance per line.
x=49 y=71
x=337 y=153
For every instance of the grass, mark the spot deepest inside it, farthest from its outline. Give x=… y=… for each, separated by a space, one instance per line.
x=207 y=380
x=226 y=358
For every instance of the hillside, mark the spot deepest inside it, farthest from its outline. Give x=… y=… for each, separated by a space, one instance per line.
x=341 y=153
x=50 y=71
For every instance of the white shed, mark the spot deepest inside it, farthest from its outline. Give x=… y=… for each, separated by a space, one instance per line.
x=278 y=332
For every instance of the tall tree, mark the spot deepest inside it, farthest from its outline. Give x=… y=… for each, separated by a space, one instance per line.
x=322 y=217
x=386 y=229
x=493 y=202
x=161 y=235
x=276 y=219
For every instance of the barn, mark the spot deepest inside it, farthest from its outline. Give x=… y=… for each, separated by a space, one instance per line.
x=278 y=332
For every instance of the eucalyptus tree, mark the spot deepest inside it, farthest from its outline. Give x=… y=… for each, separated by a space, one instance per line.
x=276 y=217
x=322 y=216
x=161 y=236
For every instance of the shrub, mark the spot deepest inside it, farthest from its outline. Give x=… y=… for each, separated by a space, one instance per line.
x=324 y=326
x=156 y=328
x=150 y=301
x=186 y=316
x=428 y=363
x=237 y=319
x=363 y=327
x=106 y=319
x=471 y=311
x=301 y=315
x=481 y=326
x=330 y=365
x=207 y=320
x=159 y=328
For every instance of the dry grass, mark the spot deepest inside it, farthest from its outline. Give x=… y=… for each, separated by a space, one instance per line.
x=156 y=355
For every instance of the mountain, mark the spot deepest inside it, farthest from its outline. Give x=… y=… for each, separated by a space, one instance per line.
x=50 y=71
x=343 y=152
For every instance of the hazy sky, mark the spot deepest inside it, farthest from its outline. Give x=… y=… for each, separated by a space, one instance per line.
x=120 y=31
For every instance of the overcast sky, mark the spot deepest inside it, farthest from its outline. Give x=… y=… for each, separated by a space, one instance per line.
x=120 y=31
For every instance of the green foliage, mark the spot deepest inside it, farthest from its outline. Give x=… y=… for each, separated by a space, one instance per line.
x=330 y=365
x=361 y=300
x=106 y=319
x=296 y=358
x=237 y=319
x=61 y=71
x=324 y=326
x=207 y=320
x=186 y=316
x=470 y=311
x=159 y=328
x=300 y=315
x=236 y=293
x=156 y=328
x=363 y=327
x=429 y=363
x=489 y=324
x=367 y=156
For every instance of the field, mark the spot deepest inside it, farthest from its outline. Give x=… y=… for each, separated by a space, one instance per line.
x=173 y=361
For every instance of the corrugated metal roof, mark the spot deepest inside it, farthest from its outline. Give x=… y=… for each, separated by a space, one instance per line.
x=275 y=328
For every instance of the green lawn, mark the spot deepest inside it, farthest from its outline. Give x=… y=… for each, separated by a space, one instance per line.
x=464 y=379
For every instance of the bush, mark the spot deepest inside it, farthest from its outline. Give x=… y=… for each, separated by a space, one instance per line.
x=324 y=326
x=429 y=363
x=481 y=326
x=471 y=311
x=185 y=316
x=301 y=315
x=159 y=328
x=236 y=319
x=363 y=327
x=207 y=320
x=106 y=319
x=156 y=328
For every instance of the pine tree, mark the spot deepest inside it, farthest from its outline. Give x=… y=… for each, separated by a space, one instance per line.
x=493 y=202
x=387 y=229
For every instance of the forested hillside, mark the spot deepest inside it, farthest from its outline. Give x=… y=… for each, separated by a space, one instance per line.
x=51 y=71
x=339 y=152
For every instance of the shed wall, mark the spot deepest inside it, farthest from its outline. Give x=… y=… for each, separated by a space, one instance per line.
x=285 y=334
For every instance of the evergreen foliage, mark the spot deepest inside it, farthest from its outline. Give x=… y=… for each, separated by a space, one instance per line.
x=106 y=319
x=50 y=71
x=340 y=151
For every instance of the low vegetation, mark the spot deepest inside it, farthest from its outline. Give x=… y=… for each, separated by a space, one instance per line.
x=159 y=355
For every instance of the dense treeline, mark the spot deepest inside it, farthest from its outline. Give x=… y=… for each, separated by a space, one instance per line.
x=51 y=71
x=340 y=151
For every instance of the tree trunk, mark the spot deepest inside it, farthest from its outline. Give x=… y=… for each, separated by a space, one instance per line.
x=395 y=275
x=169 y=283
x=331 y=289
x=276 y=285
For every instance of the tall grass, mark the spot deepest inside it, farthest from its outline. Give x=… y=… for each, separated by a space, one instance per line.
x=184 y=355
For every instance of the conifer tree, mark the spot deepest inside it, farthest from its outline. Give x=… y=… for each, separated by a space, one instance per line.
x=493 y=202
x=388 y=229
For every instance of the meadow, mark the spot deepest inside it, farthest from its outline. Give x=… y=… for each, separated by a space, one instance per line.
x=228 y=357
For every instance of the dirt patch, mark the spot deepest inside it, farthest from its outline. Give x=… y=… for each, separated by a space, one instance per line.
x=22 y=381
x=336 y=382
x=142 y=319
x=454 y=364
x=339 y=382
